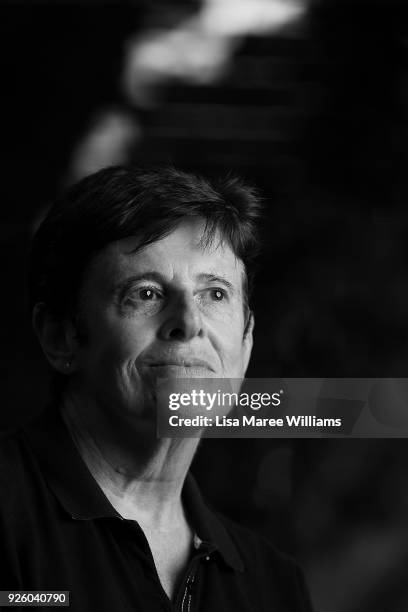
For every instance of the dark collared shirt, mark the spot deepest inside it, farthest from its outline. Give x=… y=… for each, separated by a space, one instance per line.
x=58 y=531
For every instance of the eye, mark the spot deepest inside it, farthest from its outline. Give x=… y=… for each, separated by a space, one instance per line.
x=144 y=300
x=147 y=294
x=217 y=294
x=144 y=294
x=214 y=295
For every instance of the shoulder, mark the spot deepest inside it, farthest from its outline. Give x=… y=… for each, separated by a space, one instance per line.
x=17 y=471
x=269 y=566
x=252 y=545
x=11 y=459
x=19 y=478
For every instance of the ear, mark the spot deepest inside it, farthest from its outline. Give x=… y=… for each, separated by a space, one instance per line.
x=247 y=341
x=58 y=338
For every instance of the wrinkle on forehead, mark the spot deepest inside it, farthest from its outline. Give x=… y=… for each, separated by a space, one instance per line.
x=199 y=234
x=189 y=235
x=180 y=256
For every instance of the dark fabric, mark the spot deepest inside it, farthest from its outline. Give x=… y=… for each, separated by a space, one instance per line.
x=59 y=531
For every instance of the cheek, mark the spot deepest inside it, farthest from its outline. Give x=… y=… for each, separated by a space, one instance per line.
x=228 y=339
x=112 y=347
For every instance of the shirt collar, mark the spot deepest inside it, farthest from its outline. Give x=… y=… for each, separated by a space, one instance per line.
x=64 y=469
x=83 y=499
x=208 y=526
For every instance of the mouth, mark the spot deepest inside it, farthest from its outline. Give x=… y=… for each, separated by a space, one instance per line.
x=182 y=364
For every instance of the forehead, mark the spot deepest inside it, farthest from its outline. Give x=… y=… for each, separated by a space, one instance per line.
x=182 y=255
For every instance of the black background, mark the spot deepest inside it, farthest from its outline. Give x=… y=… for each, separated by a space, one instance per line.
x=316 y=117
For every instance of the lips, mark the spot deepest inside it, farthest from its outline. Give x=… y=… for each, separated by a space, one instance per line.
x=183 y=364
x=186 y=362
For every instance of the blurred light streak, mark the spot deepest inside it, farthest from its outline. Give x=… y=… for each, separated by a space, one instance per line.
x=188 y=53
x=107 y=143
x=199 y=49
x=242 y=17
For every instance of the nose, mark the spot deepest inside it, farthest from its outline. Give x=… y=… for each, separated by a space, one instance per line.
x=183 y=322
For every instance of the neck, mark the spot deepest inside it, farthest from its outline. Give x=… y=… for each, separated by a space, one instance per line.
x=142 y=476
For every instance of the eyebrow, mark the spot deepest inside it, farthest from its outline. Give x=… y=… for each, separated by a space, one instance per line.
x=212 y=278
x=121 y=287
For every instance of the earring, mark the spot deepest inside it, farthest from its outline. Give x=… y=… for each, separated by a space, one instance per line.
x=68 y=365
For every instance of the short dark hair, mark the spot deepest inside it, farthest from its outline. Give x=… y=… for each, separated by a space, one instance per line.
x=119 y=202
